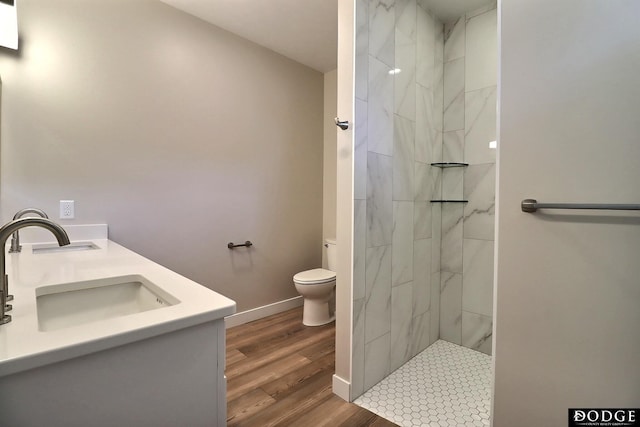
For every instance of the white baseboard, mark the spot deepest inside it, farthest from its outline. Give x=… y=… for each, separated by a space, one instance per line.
x=341 y=388
x=260 y=312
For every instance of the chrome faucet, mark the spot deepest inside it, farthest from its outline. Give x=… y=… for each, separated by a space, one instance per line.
x=15 y=238
x=7 y=230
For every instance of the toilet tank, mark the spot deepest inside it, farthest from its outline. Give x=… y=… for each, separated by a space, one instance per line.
x=332 y=256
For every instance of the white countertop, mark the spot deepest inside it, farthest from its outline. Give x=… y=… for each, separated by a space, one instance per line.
x=23 y=346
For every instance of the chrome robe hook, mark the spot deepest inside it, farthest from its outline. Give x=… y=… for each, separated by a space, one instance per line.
x=342 y=124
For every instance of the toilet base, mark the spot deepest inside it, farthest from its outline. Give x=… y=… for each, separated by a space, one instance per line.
x=316 y=312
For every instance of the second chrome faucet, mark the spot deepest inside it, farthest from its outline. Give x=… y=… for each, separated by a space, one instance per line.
x=15 y=238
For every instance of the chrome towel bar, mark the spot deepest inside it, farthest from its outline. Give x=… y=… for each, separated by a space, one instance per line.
x=532 y=205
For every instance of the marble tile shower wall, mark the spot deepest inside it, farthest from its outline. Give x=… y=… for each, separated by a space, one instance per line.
x=470 y=78
x=398 y=133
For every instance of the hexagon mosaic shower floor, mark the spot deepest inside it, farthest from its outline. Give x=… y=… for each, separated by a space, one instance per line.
x=445 y=385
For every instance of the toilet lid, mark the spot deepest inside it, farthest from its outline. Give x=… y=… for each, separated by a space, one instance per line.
x=317 y=275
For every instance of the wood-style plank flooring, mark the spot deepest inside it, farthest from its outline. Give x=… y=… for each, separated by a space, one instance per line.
x=279 y=374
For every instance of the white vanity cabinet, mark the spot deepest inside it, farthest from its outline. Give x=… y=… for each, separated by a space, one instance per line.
x=174 y=379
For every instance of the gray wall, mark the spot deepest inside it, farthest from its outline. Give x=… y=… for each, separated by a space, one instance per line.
x=179 y=135
x=567 y=282
x=330 y=172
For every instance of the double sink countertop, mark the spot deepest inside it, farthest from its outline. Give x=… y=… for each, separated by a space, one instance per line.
x=23 y=345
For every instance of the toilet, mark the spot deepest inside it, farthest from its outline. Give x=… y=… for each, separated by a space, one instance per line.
x=316 y=287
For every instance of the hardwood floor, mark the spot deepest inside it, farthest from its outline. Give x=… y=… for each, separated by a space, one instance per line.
x=279 y=374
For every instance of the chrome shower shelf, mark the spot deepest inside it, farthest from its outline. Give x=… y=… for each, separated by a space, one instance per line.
x=443 y=165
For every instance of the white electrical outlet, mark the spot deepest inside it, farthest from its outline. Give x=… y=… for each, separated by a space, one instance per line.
x=67 y=210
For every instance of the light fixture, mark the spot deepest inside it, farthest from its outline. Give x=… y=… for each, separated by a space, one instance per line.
x=395 y=71
x=493 y=144
x=8 y=24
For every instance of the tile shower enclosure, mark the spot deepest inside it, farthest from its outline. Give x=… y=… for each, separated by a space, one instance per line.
x=425 y=93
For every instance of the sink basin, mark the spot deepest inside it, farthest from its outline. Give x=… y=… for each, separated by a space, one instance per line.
x=77 y=303
x=54 y=247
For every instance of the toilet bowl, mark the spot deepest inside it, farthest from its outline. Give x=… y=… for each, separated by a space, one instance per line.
x=316 y=287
